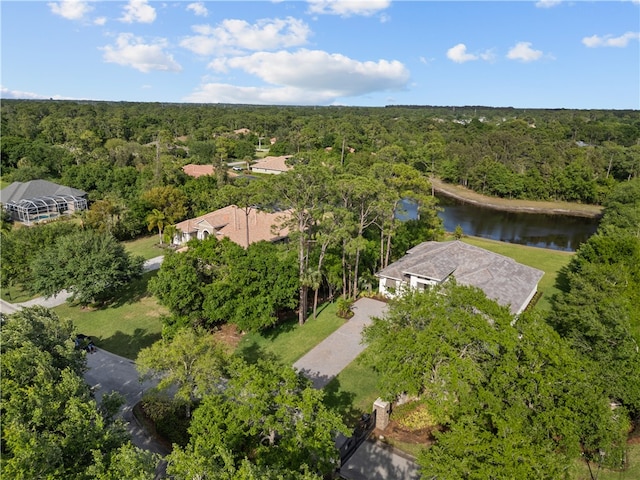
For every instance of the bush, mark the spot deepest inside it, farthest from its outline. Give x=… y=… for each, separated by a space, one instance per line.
x=344 y=307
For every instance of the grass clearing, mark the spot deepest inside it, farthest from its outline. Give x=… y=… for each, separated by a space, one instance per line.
x=146 y=247
x=287 y=342
x=125 y=327
x=549 y=261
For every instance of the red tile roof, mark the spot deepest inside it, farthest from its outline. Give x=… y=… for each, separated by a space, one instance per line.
x=197 y=170
x=231 y=222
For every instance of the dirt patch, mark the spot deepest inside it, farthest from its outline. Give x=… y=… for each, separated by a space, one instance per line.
x=397 y=433
x=229 y=335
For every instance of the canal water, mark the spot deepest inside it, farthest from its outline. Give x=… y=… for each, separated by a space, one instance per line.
x=556 y=232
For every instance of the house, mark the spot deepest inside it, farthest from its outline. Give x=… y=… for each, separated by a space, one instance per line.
x=272 y=165
x=232 y=222
x=39 y=200
x=432 y=263
x=196 y=171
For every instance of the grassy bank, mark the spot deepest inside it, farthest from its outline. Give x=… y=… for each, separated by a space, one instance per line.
x=559 y=208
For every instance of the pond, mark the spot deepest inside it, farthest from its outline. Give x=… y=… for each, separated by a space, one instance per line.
x=556 y=232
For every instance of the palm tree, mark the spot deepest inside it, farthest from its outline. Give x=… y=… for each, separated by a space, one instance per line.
x=156 y=219
x=170 y=232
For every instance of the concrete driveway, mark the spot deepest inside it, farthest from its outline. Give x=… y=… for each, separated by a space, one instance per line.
x=334 y=353
x=108 y=372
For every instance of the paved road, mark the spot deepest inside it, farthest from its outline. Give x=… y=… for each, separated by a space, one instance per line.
x=376 y=461
x=333 y=354
x=50 y=302
x=108 y=372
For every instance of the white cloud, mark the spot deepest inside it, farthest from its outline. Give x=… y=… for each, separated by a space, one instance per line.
x=6 y=93
x=610 y=41
x=225 y=93
x=548 y=3
x=459 y=54
x=319 y=73
x=198 y=8
x=70 y=9
x=100 y=21
x=132 y=52
x=234 y=36
x=347 y=8
x=138 y=11
x=522 y=51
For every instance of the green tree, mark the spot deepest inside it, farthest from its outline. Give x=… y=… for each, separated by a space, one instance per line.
x=51 y=425
x=192 y=362
x=90 y=265
x=265 y=414
x=515 y=388
x=169 y=200
x=302 y=191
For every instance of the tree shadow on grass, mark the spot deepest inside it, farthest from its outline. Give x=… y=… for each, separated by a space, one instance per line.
x=131 y=293
x=127 y=345
x=252 y=352
x=562 y=279
x=284 y=326
x=342 y=401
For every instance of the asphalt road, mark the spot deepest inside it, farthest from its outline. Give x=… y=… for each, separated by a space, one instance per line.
x=108 y=372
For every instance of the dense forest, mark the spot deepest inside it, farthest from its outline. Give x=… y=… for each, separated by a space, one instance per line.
x=122 y=148
x=546 y=390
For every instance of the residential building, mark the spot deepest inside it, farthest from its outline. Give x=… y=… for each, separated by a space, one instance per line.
x=40 y=200
x=272 y=165
x=234 y=223
x=431 y=263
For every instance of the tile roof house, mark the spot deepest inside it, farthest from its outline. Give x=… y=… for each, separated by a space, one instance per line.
x=272 y=165
x=196 y=171
x=231 y=222
x=431 y=263
x=39 y=200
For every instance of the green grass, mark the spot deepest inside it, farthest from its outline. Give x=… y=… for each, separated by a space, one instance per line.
x=353 y=391
x=146 y=247
x=131 y=323
x=288 y=341
x=631 y=473
x=549 y=261
x=15 y=294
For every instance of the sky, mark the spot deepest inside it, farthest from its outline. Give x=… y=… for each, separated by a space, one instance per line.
x=523 y=54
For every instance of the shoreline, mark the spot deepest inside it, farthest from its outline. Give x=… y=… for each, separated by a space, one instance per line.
x=465 y=195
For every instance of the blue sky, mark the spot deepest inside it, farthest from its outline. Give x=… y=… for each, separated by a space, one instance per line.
x=523 y=54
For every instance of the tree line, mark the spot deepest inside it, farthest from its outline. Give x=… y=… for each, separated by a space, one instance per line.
x=118 y=150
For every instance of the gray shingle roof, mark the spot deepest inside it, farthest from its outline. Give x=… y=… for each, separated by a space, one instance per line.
x=501 y=278
x=35 y=189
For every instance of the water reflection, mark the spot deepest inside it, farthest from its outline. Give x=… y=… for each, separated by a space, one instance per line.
x=557 y=232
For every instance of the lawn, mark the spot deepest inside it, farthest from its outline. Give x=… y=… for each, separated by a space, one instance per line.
x=15 y=294
x=631 y=473
x=549 y=261
x=288 y=341
x=146 y=247
x=353 y=391
x=125 y=327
